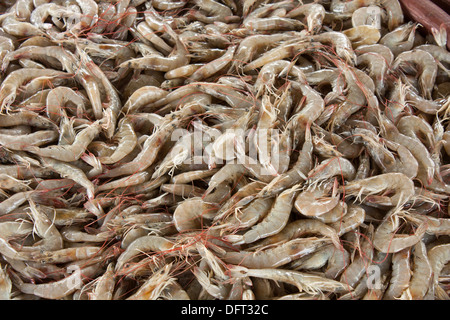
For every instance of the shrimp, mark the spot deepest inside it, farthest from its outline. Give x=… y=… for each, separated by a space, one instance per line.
x=15 y=79
x=302 y=227
x=362 y=35
x=65 y=255
x=189 y=214
x=277 y=256
x=436 y=226
x=427 y=68
x=401 y=39
x=399 y=184
x=385 y=239
x=401 y=274
x=273 y=222
x=72 y=172
x=143 y=96
x=438 y=256
x=127 y=141
x=314 y=13
x=330 y=168
x=341 y=43
x=177 y=58
x=394 y=12
x=104 y=285
x=142 y=244
x=421 y=273
x=73 y=152
x=308 y=283
x=370 y=15
x=28 y=141
x=353 y=273
x=211 y=68
x=59 y=289
x=190 y=176
x=296 y=174
x=316 y=201
x=218 y=291
x=378 y=68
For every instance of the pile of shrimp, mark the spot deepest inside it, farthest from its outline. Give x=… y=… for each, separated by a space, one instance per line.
x=334 y=115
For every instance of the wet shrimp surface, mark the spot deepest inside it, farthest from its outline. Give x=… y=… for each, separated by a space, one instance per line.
x=222 y=149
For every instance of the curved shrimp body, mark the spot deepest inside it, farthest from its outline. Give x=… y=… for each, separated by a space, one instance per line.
x=316 y=201
x=339 y=166
x=341 y=42
x=438 y=257
x=400 y=39
x=385 y=239
x=303 y=281
x=189 y=214
x=401 y=185
x=73 y=152
x=272 y=223
x=401 y=275
x=421 y=273
x=314 y=13
x=146 y=243
x=427 y=68
x=275 y=257
x=143 y=96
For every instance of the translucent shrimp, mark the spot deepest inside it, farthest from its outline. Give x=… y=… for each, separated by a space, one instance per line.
x=296 y=174
x=73 y=152
x=398 y=187
x=61 y=288
x=26 y=141
x=146 y=243
x=5 y=285
x=385 y=238
x=126 y=142
x=353 y=273
x=427 y=68
x=211 y=68
x=314 y=13
x=400 y=39
x=104 y=285
x=302 y=227
x=65 y=255
x=177 y=58
x=378 y=68
x=362 y=35
x=341 y=43
x=438 y=256
x=353 y=218
x=190 y=213
x=370 y=15
x=15 y=79
x=272 y=223
x=436 y=226
x=394 y=12
x=401 y=274
x=330 y=168
x=421 y=273
x=141 y=97
x=277 y=256
x=72 y=172
x=308 y=283
x=316 y=201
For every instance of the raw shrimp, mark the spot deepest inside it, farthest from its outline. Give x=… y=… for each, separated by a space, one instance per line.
x=59 y=289
x=400 y=185
x=353 y=273
x=438 y=256
x=303 y=281
x=277 y=256
x=142 y=244
x=401 y=274
x=15 y=79
x=73 y=152
x=401 y=39
x=141 y=97
x=272 y=223
x=426 y=65
x=27 y=141
x=362 y=35
x=341 y=43
x=65 y=255
x=189 y=214
x=385 y=238
x=126 y=141
x=315 y=201
x=421 y=273
x=104 y=285
x=212 y=67
x=330 y=168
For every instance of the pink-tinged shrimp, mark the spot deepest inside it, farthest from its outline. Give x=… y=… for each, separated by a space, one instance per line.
x=427 y=68
x=303 y=281
x=438 y=256
x=272 y=223
x=73 y=152
x=190 y=213
x=316 y=201
x=59 y=289
x=67 y=170
x=143 y=96
x=386 y=240
x=334 y=167
x=277 y=256
x=353 y=273
x=397 y=189
x=421 y=273
x=401 y=274
x=353 y=218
